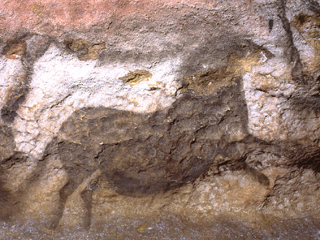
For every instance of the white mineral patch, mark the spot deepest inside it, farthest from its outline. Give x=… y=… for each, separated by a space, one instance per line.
x=270 y=117
x=62 y=84
x=11 y=70
x=266 y=89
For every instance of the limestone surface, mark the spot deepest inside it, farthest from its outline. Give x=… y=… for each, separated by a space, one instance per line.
x=134 y=109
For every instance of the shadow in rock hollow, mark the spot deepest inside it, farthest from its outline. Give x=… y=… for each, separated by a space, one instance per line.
x=9 y=201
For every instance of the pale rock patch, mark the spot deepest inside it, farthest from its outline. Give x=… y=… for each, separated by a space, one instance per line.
x=11 y=70
x=62 y=84
x=267 y=89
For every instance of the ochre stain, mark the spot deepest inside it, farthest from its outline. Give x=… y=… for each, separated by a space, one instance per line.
x=208 y=81
x=134 y=78
x=37 y=9
x=309 y=28
x=15 y=49
x=85 y=49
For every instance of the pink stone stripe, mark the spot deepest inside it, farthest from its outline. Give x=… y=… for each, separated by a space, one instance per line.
x=54 y=17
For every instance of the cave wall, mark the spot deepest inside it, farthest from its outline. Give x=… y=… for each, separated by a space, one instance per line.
x=134 y=108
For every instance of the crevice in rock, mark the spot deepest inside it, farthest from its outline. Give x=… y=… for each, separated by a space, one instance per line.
x=290 y=50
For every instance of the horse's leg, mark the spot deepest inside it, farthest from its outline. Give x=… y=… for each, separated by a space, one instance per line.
x=65 y=192
x=77 y=196
x=86 y=196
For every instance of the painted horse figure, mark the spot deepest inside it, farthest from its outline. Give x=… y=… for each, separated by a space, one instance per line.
x=147 y=153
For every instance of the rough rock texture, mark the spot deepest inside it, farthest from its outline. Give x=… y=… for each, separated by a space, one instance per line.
x=202 y=110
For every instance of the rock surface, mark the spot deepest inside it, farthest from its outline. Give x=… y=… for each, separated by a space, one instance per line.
x=136 y=109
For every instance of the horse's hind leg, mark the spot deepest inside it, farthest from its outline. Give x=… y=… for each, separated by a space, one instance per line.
x=65 y=192
x=86 y=196
x=76 y=202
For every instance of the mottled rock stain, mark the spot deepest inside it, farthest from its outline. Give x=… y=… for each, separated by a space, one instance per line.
x=84 y=49
x=15 y=49
x=208 y=81
x=135 y=77
x=270 y=25
x=309 y=27
x=257 y=175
